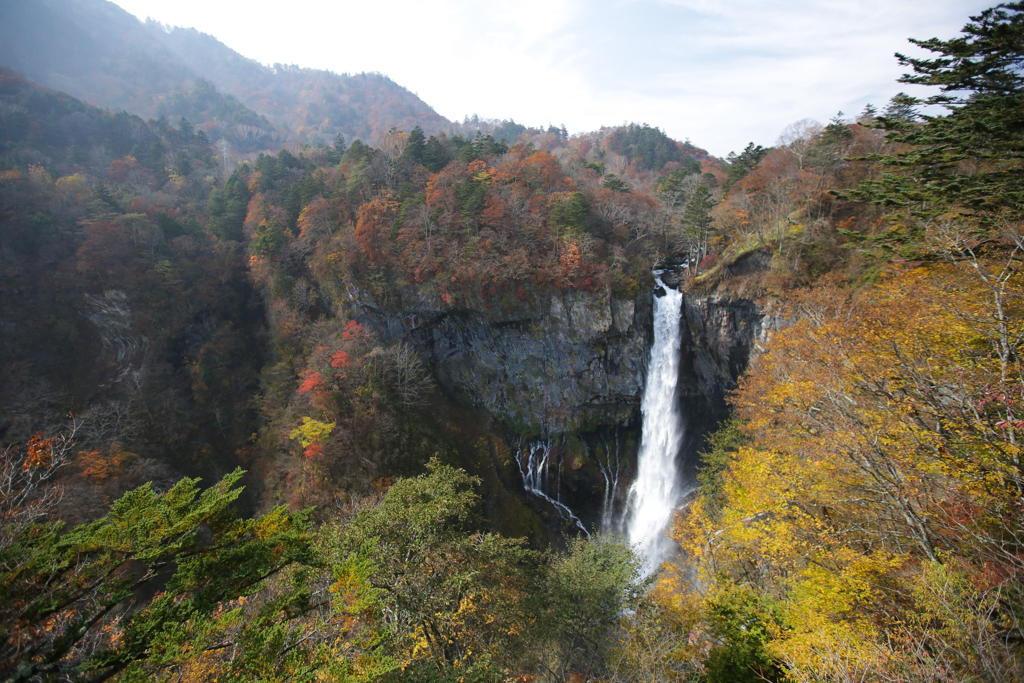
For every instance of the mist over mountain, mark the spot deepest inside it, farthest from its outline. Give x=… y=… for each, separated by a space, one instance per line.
x=96 y=51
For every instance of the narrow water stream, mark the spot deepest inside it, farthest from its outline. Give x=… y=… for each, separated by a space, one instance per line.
x=534 y=464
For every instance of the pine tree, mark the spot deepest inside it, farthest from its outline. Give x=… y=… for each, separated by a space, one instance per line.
x=740 y=166
x=415 y=147
x=971 y=160
x=70 y=605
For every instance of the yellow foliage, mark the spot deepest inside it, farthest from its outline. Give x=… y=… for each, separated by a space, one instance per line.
x=885 y=433
x=39 y=177
x=311 y=431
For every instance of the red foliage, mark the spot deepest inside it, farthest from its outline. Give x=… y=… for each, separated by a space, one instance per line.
x=121 y=168
x=495 y=213
x=107 y=248
x=340 y=359
x=311 y=381
x=353 y=330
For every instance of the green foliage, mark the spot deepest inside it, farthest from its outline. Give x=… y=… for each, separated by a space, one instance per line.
x=697 y=217
x=481 y=147
x=227 y=208
x=970 y=160
x=650 y=147
x=357 y=152
x=438 y=152
x=508 y=131
x=470 y=194
x=741 y=622
x=572 y=214
x=269 y=242
x=744 y=163
x=672 y=189
x=632 y=278
x=415 y=147
x=186 y=541
x=614 y=183
x=723 y=443
x=204 y=103
x=63 y=129
x=336 y=151
x=588 y=588
x=458 y=599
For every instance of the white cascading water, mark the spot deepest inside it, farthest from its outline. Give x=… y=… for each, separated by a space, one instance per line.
x=533 y=465
x=655 y=492
x=610 y=471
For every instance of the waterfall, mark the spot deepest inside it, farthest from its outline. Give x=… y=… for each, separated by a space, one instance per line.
x=533 y=465
x=610 y=471
x=655 y=493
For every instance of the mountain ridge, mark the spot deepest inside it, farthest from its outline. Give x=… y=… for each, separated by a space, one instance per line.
x=100 y=53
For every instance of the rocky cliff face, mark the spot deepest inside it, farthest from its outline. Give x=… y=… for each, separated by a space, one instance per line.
x=567 y=374
x=571 y=362
x=720 y=338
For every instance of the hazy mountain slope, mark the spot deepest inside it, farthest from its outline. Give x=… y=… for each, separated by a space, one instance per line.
x=96 y=51
x=311 y=102
x=91 y=49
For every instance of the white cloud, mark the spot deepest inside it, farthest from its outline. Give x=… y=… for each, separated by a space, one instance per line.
x=720 y=73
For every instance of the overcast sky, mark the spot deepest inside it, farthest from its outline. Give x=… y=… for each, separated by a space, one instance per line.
x=719 y=73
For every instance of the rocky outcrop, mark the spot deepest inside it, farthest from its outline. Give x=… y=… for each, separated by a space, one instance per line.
x=721 y=336
x=570 y=362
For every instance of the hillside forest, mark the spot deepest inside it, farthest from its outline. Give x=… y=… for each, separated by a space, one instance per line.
x=221 y=462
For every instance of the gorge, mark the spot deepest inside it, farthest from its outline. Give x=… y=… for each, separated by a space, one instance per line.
x=604 y=402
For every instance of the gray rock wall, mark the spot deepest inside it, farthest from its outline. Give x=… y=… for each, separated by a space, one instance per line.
x=571 y=362
x=574 y=364
x=721 y=337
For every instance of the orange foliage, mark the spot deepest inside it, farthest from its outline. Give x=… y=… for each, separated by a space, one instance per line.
x=315 y=220
x=353 y=330
x=373 y=229
x=538 y=171
x=311 y=381
x=98 y=465
x=40 y=451
x=570 y=256
x=261 y=213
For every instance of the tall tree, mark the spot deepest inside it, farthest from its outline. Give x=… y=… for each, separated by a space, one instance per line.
x=970 y=160
x=742 y=164
x=449 y=599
